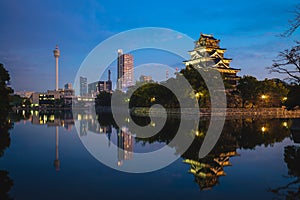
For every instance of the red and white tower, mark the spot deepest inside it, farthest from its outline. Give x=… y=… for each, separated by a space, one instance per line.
x=56 y=53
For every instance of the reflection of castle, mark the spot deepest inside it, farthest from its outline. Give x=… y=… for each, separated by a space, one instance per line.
x=125 y=145
x=208 y=169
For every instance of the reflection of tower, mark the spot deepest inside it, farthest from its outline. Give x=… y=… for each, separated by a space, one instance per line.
x=56 y=161
x=125 y=70
x=125 y=145
x=56 y=55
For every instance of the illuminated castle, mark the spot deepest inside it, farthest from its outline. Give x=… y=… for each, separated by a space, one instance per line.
x=207 y=53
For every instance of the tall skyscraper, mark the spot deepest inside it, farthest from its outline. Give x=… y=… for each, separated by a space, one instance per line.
x=56 y=53
x=83 y=86
x=125 y=70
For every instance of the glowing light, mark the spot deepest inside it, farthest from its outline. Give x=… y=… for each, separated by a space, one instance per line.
x=285 y=124
x=198 y=94
x=127 y=100
x=263 y=129
x=264 y=96
x=51 y=117
x=284 y=98
x=152 y=99
x=119 y=163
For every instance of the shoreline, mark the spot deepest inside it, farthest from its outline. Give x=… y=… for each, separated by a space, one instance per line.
x=191 y=113
x=221 y=112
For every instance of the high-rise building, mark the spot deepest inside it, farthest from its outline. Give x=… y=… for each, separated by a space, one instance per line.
x=125 y=70
x=68 y=86
x=83 y=86
x=100 y=86
x=144 y=78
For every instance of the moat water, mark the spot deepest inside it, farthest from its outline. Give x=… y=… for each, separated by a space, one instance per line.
x=43 y=157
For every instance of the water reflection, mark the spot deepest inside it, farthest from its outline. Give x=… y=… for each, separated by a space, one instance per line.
x=6 y=182
x=292 y=160
x=125 y=144
x=295 y=129
x=237 y=135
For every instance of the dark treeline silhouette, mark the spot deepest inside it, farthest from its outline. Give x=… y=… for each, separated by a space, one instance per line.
x=249 y=93
x=6 y=182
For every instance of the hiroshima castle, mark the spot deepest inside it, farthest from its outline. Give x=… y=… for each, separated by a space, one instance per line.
x=207 y=52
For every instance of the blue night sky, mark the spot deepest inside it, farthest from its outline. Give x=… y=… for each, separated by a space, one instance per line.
x=31 y=29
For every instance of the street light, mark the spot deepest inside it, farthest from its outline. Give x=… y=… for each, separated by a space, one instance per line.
x=263 y=129
x=264 y=96
x=284 y=98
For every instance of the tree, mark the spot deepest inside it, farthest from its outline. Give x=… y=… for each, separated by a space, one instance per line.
x=293 y=97
x=288 y=62
x=5 y=91
x=5 y=125
x=248 y=88
x=103 y=99
x=294 y=23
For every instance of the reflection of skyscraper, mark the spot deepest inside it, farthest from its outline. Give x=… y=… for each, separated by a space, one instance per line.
x=125 y=145
x=125 y=70
x=83 y=127
x=83 y=86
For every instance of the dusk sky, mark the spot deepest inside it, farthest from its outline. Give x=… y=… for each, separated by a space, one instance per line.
x=30 y=30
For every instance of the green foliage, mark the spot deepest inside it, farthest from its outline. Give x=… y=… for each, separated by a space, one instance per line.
x=103 y=99
x=5 y=124
x=153 y=93
x=5 y=91
x=198 y=85
x=248 y=88
x=293 y=97
x=266 y=93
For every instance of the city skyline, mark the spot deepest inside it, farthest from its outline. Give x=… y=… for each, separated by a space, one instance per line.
x=252 y=39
